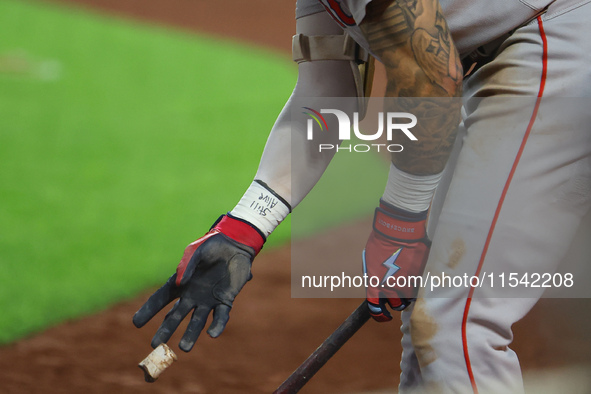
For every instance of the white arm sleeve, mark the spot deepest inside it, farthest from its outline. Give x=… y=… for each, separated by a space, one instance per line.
x=289 y=169
x=293 y=179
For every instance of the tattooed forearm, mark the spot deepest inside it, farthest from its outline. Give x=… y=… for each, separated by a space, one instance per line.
x=437 y=122
x=412 y=40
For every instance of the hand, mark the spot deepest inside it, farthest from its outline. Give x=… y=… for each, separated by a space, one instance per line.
x=211 y=273
x=396 y=251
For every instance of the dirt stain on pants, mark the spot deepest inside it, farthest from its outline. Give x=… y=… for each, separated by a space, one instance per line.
x=422 y=330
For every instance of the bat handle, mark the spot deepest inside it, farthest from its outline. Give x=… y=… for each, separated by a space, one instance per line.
x=329 y=347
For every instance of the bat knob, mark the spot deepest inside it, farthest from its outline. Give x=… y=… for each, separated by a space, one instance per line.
x=161 y=358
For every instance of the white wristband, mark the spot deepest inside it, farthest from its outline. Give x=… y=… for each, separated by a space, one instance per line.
x=412 y=193
x=261 y=207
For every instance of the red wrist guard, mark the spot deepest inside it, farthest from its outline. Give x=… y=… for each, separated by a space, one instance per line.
x=398 y=225
x=240 y=231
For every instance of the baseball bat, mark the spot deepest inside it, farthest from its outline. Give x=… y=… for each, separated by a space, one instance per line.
x=329 y=347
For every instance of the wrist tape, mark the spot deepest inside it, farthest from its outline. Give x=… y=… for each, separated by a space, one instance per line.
x=413 y=193
x=261 y=207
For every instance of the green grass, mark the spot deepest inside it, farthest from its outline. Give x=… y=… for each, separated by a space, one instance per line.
x=119 y=144
x=349 y=189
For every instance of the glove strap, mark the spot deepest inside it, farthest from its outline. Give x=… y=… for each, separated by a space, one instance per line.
x=397 y=224
x=240 y=231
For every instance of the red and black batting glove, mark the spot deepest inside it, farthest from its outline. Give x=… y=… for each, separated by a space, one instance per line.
x=394 y=259
x=211 y=273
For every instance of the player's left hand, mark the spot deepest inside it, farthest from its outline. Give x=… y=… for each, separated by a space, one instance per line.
x=211 y=273
x=395 y=257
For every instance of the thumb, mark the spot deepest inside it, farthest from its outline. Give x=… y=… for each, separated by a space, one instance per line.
x=188 y=262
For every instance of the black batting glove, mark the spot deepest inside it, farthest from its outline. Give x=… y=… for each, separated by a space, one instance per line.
x=211 y=273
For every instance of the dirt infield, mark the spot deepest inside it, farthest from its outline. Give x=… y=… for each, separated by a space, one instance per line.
x=269 y=334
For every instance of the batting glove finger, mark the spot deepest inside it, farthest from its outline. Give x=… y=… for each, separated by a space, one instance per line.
x=221 y=315
x=171 y=322
x=194 y=328
x=378 y=310
x=157 y=301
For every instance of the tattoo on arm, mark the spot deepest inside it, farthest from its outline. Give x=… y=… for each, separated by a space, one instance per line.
x=411 y=38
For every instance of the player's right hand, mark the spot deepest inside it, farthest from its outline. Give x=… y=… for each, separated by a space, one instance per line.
x=395 y=256
x=211 y=273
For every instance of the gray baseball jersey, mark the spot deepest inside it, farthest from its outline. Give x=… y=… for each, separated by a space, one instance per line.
x=472 y=23
x=514 y=192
